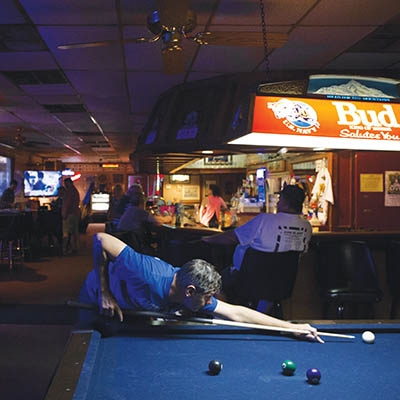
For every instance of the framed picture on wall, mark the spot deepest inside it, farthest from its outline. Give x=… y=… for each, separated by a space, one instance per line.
x=218 y=160
x=191 y=192
x=179 y=178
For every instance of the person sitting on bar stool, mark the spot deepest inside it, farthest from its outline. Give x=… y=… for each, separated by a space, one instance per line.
x=136 y=222
x=287 y=230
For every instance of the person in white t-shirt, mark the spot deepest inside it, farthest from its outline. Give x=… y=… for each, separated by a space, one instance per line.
x=287 y=230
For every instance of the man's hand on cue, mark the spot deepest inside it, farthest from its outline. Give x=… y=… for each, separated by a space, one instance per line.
x=109 y=306
x=313 y=335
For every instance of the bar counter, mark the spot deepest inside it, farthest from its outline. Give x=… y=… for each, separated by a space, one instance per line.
x=180 y=244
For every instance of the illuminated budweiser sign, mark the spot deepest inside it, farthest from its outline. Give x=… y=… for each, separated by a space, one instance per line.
x=327 y=122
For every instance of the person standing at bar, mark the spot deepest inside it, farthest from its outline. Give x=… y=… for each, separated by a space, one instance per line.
x=210 y=209
x=8 y=196
x=71 y=215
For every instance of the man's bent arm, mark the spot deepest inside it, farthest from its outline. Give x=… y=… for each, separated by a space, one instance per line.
x=105 y=249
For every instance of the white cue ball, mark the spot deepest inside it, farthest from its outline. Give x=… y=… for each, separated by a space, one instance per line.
x=368 y=337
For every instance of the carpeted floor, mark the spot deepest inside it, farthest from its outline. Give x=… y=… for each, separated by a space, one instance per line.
x=35 y=323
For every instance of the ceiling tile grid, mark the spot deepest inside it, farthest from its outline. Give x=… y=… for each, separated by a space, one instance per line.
x=119 y=82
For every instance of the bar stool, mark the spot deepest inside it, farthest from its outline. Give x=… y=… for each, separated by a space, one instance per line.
x=265 y=278
x=393 y=273
x=12 y=237
x=346 y=278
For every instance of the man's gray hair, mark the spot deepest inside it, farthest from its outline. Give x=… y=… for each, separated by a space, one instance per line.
x=201 y=274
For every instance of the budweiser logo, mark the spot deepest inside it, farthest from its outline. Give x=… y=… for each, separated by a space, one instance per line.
x=349 y=114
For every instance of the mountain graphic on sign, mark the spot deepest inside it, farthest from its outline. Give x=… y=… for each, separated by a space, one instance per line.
x=352 y=88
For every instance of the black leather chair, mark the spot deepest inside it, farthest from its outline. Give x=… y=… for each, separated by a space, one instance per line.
x=265 y=276
x=393 y=274
x=347 y=279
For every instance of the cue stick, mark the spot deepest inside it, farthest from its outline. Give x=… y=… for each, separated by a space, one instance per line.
x=210 y=321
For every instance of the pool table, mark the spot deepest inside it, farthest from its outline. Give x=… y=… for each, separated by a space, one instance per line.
x=170 y=361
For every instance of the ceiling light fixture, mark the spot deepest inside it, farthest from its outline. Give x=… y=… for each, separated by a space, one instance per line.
x=109 y=165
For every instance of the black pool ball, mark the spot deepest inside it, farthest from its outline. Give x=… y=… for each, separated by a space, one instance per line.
x=214 y=367
x=313 y=376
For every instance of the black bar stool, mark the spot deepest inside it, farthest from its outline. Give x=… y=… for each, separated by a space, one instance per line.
x=347 y=279
x=393 y=274
x=12 y=232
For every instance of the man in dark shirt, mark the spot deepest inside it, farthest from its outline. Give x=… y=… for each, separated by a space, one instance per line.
x=8 y=196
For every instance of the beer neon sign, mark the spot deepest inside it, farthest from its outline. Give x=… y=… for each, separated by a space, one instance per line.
x=324 y=123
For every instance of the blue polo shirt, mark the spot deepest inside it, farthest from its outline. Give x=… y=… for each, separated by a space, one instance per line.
x=138 y=282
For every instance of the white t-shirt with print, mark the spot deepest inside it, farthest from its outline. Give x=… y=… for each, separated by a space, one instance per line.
x=272 y=233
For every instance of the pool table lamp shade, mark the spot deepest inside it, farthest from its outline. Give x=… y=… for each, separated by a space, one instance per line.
x=323 y=124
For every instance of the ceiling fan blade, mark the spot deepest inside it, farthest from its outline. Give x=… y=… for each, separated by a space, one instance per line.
x=172 y=12
x=249 y=39
x=105 y=43
x=173 y=62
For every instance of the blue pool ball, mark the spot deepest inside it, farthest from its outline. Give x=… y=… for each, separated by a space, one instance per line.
x=313 y=376
x=214 y=367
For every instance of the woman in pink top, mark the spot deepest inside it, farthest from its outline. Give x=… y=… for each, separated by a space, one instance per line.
x=210 y=209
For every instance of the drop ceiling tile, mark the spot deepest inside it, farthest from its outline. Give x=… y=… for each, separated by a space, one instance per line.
x=107 y=105
x=98 y=83
x=10 y=13
x=71 y=12
x=282 y=12
x=364 y=61
x=139 y=84
x=228 y=59
x=307 y=47
x=48 y=90
x=136 y=12
x=27 y=61
x=352 y=13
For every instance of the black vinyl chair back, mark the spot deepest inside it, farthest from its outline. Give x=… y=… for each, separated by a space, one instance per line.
x=346 y=274
x=393 y=273
x=364 y=276
x=266 y=276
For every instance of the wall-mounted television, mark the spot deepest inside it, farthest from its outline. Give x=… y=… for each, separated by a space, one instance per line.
x=42 y=183
x=100 y=202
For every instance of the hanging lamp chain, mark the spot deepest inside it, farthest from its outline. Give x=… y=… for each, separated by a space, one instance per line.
x=265 y=41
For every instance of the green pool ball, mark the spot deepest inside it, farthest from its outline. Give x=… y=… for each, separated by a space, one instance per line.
x=288 y=367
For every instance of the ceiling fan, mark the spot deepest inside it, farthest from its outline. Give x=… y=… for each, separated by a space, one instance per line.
x=21 y=142
x=172 y=23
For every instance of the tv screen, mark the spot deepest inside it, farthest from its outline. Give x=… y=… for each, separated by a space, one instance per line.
x=42 y=183
x=100 y=201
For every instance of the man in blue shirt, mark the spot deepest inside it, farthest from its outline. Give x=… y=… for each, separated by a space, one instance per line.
x=123 y=278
